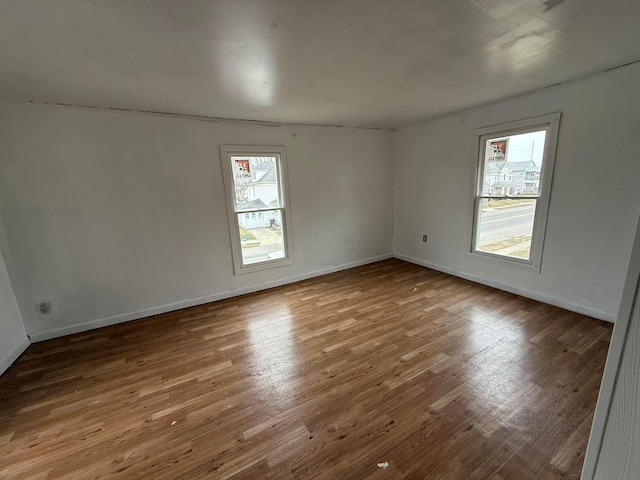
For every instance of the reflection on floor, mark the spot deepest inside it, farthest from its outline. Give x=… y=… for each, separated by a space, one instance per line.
x=325 y=378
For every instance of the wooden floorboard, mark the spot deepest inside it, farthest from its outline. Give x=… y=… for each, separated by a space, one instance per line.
x=325 y=378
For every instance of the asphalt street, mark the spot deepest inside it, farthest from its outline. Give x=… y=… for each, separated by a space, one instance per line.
x=497 y=225
x=260 y=253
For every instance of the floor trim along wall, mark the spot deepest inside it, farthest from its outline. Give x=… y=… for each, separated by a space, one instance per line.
x=606 y=316
x=8 y=360
x=126 y=317
x=191 y=302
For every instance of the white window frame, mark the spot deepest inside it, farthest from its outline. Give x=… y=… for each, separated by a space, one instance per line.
x=279 y=152
x=550 y=123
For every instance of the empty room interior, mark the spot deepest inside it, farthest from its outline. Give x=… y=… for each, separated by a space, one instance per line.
x=341 y=239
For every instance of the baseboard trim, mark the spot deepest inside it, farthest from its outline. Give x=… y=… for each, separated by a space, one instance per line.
x=13 y=355
x=606 y=316
x=192 y=302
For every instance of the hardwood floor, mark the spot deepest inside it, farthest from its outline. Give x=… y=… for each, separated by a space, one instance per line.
x=440 y=377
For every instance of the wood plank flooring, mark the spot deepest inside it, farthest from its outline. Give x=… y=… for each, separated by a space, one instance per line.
x=322 y=379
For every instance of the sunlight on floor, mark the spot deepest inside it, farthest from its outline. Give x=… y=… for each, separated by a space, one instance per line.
x=273 y=351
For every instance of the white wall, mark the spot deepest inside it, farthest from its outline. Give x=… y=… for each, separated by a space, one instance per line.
x=13 y=339
x=618 y=456
x=113 y=216
x=615 y=431
x=594 y=200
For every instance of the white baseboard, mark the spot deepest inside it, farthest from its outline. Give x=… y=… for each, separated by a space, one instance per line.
x=147 y=312
x=13 y=355
x=591 y=312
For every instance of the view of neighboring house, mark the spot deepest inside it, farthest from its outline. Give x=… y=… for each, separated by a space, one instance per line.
x=253 y=219
x=512 y=178
x=506 y=178
x=264 y=185
x=256 y=191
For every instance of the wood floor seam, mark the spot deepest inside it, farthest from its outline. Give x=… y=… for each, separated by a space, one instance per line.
x=440 y=377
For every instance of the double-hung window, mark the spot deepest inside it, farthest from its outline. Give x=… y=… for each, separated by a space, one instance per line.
x=256 y=191
x=515 y=166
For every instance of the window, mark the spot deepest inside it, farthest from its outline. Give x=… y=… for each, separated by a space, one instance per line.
x=515 y=165
x=255 y=183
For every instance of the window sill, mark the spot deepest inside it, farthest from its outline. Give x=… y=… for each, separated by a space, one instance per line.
x=263 y=266
x=501 y=261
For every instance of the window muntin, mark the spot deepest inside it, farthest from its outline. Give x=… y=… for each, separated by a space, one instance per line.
x=257 y=207
x=513 y=188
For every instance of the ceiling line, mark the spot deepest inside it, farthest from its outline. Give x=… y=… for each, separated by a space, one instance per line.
x=207 y=118
x=203 y=118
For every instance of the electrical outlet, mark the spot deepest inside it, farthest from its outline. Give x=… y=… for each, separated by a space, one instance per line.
x=424 y=238
x=44 y=308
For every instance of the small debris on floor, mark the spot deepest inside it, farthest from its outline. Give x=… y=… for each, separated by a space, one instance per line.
x=415 y=289
x=383 y=464
x=173 y=423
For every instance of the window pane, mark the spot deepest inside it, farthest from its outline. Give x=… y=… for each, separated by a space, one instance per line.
x=505 y=227
x=512 y=164
x=261 y=236
x=255 y=182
